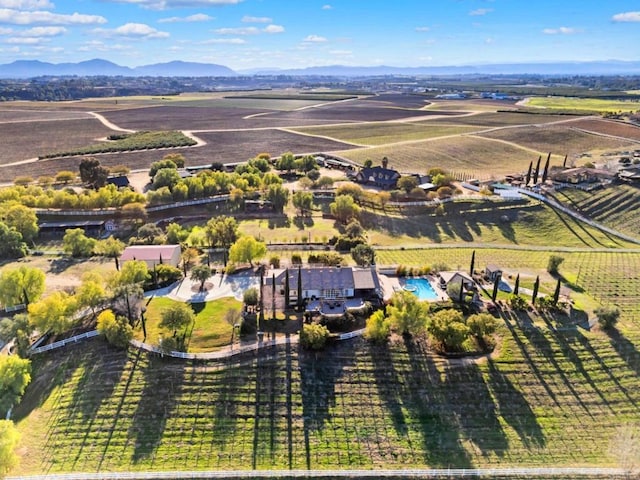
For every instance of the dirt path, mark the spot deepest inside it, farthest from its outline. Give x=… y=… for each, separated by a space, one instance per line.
x=108 y=124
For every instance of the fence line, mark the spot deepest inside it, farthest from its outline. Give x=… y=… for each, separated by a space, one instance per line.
x=66 y=341
x=200 y=201
x=560 y=472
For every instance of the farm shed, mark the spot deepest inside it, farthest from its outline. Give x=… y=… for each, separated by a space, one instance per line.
x=92 y=228
x=153 y=254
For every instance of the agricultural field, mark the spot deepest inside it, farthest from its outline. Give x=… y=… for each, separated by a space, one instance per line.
x=17 y=114
x=478 y=156
x=615 y=207
x=23 y=140
x=505 y=119
x=586 y=104
x=386 y=133
x=561 y=139
x=609 y=127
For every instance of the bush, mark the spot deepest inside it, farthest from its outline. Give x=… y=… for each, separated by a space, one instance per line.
x=116 y=329
x=378 y=327
x=296 y=259
x=608 y=316
x=274 y=261
x=250 y=296
x=345 y=243
x=516 y=302
x=554 y=263
x=314 y=336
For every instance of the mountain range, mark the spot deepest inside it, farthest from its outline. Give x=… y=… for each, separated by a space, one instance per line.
x=96 y=67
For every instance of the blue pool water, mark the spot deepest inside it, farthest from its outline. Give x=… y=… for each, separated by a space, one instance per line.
x=421 y=288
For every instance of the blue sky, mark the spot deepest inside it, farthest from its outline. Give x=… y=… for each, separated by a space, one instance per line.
x=248 y=34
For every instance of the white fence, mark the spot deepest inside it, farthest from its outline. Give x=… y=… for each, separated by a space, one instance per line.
x=200 y=201
x=66 y=341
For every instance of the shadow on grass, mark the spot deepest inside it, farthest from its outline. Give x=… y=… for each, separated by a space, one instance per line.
x=387 y=383
x=197 y=307
x=163 y=380
x=625 y=349
x=303 y=222
x=279 y=222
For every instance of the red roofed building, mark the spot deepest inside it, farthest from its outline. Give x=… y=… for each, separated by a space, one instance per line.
x=153 y=254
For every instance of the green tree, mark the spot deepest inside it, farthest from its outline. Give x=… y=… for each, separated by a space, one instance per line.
x=200 y=273
x=286 y=162
x=92 y=173
x=177 y=158
x=407 y=314
x=378 y=327
x=407 y=183
x=91 y=293
x=162 y=164
x=314 y=336
x=166 y=177
x=303 y=201
x=110 y=247
x=278 y=196
x=11 y=243
x=77 y=244
x=354 y=229
x=176 y=234
x=18 y=328
x=150 y=234
x=313 y=175
x=448 y=328
x=363 y=255
x=166 y=274
x=176 y=317
x=247 y=249
x=607 y=316
x=117 y=330
x=221 y=231
x=482 y=324
x=344 y=208
x=250 y=296
x=23 y=219
x=65 y=177
x=307 y=164
x=133 y=272
x=15 y=375
x=55 y=313
x=9 y=439
x=21 y=282
x=554 y=263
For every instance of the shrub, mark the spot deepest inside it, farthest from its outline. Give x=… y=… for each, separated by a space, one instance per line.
x=516 y=302
x=401 y=271
x=554 y=263
x=314 y=336
x=296 y=259
x=608 y=316
x=116 y=329
x=250 y=296
x=378 y=327
x=274 y=261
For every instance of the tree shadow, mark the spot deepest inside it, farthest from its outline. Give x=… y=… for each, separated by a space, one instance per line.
x=625 y=349
x=303 y=222
x=279 y=222
x=163 y=381
x=198 y=307
x=59 y=265
x=387 y=382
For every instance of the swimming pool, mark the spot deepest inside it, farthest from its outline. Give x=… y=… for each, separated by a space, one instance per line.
x=421 y=288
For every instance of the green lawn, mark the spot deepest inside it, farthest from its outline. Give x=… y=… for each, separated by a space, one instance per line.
x=588 y=104
x=209 y=332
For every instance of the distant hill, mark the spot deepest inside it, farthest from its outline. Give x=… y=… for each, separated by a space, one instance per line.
x=96 y=67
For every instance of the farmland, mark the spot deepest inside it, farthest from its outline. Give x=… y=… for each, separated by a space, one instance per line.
x=585 y=104
x=608 y=127
x=504 y=119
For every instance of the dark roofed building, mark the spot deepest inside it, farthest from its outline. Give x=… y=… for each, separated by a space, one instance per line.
x=120 y=181
x=379 y=177
x=92 y=228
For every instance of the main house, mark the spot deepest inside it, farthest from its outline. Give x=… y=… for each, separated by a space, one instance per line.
x=153 y=255
x=378 y=177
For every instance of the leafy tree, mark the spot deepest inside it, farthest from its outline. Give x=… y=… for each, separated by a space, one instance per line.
x=303 y=201
x=92 y=173
x=407 y=183
x=324 y=181
x=286 y=162
x=314 y=336
x=313 y=175
x=11 y=243
x=116 y=329
x=189 y=255
x=608 y=316
x=278 y=196
x=247 y=249
x=368 y=163
x=261 y=164
x=9 y=439
x=274 y=261
x=250 y=296
x=176 y=234
x=407 y=314
x=516 y=302
x=307 y=164
x=166 y=177
x=448 y=328
x=77 y=244
x=221 y=231
x=354 y=229
x=15 y=375
x=18 y=328
x=23 y=219
x=162 y=164
x=200 y=273
x=22 y=181
x=133 y=272
x=55 y=313
x=110 y=247
x=127 y=300
x=554 y=263
x=150 y=234
x=177 y=158
x=91 y=293
x=177 y=316
x=344 y=208
x=65 y=177
x=482 y=324
x=378 y=327
x=166 y=274
x=363 y=255
x=19 y=282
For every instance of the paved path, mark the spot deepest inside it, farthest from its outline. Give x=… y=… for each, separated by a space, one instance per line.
x=545 y=472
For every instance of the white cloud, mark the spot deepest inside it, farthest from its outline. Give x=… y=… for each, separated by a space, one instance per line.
x=327 y=7
x=626 y=17
x=5 y=31
x=422 y=29
x=273 y=29
x=18 y=17
x=341 y=53
x=560 y=31
x=26 y=4
x=99 y=46
x=25 y=40
x=480 y=11
x=133 y=30
x=43 y=32
x=314 y=39
x=198 y=17
x=250 y=19
x=224 y=41
x=166 y=4
x=489 y=40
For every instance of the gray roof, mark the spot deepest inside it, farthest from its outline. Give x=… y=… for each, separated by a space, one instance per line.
x=365 y=279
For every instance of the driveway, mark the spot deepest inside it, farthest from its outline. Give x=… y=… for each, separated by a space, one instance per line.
x=217 y=286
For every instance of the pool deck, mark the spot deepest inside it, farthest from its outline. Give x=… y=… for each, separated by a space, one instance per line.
x=442 y=296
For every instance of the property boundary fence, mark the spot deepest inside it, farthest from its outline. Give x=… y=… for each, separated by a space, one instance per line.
x=199 y=201
x=66 y=341
x=546 y=472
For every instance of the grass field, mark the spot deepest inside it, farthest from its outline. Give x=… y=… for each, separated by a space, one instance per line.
x=587 y=104
x=209 y=331
x=385 y=133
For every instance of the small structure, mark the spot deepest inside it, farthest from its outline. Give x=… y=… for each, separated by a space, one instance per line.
x=379 y=177
x=579 y=175
x=153 y=255
x=457 y=277
x=493 y=273
x=92 y=228
x=120 y=181
x=258 y=206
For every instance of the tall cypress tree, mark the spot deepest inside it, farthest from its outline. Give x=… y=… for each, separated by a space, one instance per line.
x=528 y=179
x=534 y=295
x=564 y=164
x=300 y=308
x=516 y=287
x=261 y=315
x=537 y=172
x=496 y=284
x=556 y=294
x=473 y=261
x=273 y=296
x=545 y=171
